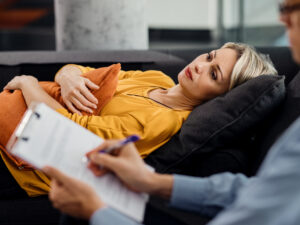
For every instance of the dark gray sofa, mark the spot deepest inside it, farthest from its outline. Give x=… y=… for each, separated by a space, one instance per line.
x=23 y=210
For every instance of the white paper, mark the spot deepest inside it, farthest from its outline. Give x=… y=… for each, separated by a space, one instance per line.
x=52 y=139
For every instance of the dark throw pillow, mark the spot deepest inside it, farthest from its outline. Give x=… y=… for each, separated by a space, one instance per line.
x=221 y=122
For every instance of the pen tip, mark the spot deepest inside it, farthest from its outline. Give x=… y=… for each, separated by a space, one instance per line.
x=134 y=138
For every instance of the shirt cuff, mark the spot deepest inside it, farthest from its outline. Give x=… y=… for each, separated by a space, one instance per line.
x=108 y=215
x=185 y=188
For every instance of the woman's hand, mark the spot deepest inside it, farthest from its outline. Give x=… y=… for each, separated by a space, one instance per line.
x=32 y=91
x=72 y=196
x=75 y=91
x=19 y=82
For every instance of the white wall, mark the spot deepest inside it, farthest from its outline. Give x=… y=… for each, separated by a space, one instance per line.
x=202 y=14
x=183 y=14
x=262 y=12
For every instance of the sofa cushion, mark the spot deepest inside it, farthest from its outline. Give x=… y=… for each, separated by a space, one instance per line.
x=13 y=106
x=223 y=121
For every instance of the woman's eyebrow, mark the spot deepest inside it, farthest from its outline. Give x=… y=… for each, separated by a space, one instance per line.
x=218 y=67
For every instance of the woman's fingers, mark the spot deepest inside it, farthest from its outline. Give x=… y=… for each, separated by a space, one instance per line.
x=83 y=99
x=81 y=96
x=87 y=93
x=90 y=84
x=72 y=108
x=80 y=106
x=78 y=102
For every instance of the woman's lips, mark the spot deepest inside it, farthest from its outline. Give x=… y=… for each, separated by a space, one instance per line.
x=188 y=73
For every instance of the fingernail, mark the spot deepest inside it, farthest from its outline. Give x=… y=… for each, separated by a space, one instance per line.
x=91 y=111
x=95 y=106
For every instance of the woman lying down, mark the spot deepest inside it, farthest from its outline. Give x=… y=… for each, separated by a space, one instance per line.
x=148 y=103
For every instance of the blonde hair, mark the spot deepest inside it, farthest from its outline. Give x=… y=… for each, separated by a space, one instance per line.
x=250 y=64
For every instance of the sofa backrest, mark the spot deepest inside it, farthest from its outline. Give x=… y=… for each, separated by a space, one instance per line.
x=45 y=64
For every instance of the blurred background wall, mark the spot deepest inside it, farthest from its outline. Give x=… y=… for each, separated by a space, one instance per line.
x=30 y=24
x=100 y=24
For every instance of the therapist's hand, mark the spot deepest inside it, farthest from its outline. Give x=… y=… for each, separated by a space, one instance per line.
x=127 y=164
x=72 y=196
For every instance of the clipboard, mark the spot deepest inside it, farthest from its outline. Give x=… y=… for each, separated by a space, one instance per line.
x=45 y=137
x=42 y=127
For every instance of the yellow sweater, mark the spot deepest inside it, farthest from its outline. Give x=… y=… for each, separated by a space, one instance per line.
x=129 y=112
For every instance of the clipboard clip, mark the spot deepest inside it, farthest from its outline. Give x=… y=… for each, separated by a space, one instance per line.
x=19 y=129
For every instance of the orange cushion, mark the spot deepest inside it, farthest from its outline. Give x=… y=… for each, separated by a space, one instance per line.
x=13 y=106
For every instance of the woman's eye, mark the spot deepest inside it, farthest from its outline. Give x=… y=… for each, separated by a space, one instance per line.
x=208 y=57
x=214 y=75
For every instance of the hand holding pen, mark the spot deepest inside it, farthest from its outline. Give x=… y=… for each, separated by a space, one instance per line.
x=111 y=147
x=126 y=163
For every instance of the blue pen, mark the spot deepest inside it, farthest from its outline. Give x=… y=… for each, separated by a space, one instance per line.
x=131 y=138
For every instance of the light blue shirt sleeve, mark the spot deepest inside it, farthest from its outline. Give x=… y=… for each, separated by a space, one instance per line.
x=196 y=194
x=274 y=197
x=110 y=216
x=188 y=193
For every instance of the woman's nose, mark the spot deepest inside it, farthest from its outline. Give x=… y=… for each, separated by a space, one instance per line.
x=200 y=68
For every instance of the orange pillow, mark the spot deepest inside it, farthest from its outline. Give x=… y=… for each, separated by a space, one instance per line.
x=13 y=106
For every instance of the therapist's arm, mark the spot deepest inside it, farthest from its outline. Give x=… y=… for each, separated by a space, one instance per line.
x=184 y=192
x=110 y=216
x=274 y=196
x=78 y=199
x=194 y=193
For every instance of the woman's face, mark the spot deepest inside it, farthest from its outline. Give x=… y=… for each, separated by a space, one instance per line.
x=208 y=75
